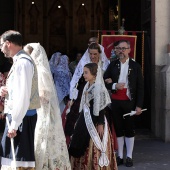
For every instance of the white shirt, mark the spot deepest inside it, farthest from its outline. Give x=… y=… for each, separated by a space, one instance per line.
x=123 y=77
x=21 y=85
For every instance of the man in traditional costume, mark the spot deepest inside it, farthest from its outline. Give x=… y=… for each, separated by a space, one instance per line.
x=21 y=102
x=124 y=78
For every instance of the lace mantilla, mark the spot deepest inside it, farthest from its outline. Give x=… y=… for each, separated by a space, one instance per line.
x=50 y=144
x=85 y=60
x=96 y=91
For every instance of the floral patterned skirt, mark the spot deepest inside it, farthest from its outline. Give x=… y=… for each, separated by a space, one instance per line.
x=90 y=160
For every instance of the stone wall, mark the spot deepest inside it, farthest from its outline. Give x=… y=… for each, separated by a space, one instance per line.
x=160 y=69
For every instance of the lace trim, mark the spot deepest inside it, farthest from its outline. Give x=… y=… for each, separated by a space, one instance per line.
x=98 y=92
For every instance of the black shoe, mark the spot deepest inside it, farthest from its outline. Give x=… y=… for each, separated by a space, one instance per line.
x=119 y=161
x=129 y=162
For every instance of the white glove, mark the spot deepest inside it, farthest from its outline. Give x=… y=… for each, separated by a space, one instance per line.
x=133 y=113
x=74 y=94
x=130 y=114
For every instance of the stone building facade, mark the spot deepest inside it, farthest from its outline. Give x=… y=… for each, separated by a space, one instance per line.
x=160 y=98
x=60 y=25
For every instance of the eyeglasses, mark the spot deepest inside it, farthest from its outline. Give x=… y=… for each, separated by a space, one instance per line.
x=1 y=45
x=123 y=48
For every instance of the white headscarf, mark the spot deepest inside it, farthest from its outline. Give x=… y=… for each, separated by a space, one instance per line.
x=84 y=60
x=50 y=143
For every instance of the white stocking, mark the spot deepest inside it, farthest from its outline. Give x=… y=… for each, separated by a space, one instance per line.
x=129 y=146
x=120 y=141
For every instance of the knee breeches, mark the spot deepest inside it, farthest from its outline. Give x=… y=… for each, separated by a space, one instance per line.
x=123 y=126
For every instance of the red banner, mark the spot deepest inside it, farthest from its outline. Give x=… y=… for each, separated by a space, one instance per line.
x=107 y=42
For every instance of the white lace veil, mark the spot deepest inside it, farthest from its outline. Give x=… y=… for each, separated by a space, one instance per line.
x=50 y=143
x=98 y=92
x=84 y=60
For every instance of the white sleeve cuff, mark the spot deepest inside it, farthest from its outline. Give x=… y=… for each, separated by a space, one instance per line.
x=14 y=125
x=114 y=86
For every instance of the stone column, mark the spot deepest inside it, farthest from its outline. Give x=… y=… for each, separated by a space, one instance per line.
x=160 y=115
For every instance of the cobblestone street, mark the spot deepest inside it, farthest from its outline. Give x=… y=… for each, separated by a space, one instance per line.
x=150 y=153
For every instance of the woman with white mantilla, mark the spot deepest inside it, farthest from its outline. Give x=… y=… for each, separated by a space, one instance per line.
x=50 y=144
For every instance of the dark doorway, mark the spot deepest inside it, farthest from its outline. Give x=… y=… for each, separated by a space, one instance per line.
x=136 y=20
x=7 y=23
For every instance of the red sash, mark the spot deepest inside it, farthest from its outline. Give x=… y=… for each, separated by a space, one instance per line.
x=120 y=95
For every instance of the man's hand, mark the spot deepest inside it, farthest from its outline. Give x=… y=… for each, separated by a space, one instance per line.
x=138 y=110
x=12 y=133
x=3 y=91
x=70 y=103
x=120 y=86
x=109 y=80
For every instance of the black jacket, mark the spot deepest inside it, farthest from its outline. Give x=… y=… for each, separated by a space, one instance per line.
x=135 y=79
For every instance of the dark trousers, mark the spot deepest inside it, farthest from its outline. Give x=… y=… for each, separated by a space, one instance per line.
x=123 y=126
x=23 y=142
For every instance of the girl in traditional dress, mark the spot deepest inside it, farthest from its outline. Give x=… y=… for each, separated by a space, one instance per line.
x=91 y=145
x=50 y=145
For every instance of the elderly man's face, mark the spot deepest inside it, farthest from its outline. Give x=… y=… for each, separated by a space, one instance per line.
x=123 y=50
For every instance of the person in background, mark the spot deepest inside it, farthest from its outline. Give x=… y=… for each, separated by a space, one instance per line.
x=93 y=40
x=124 y=78
x=2 y=83
x=5 y=65
x=62 y=77
x=91 y=135
x=21 y=101
x=50 y=144
x=73 y=64
x=114 y=52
